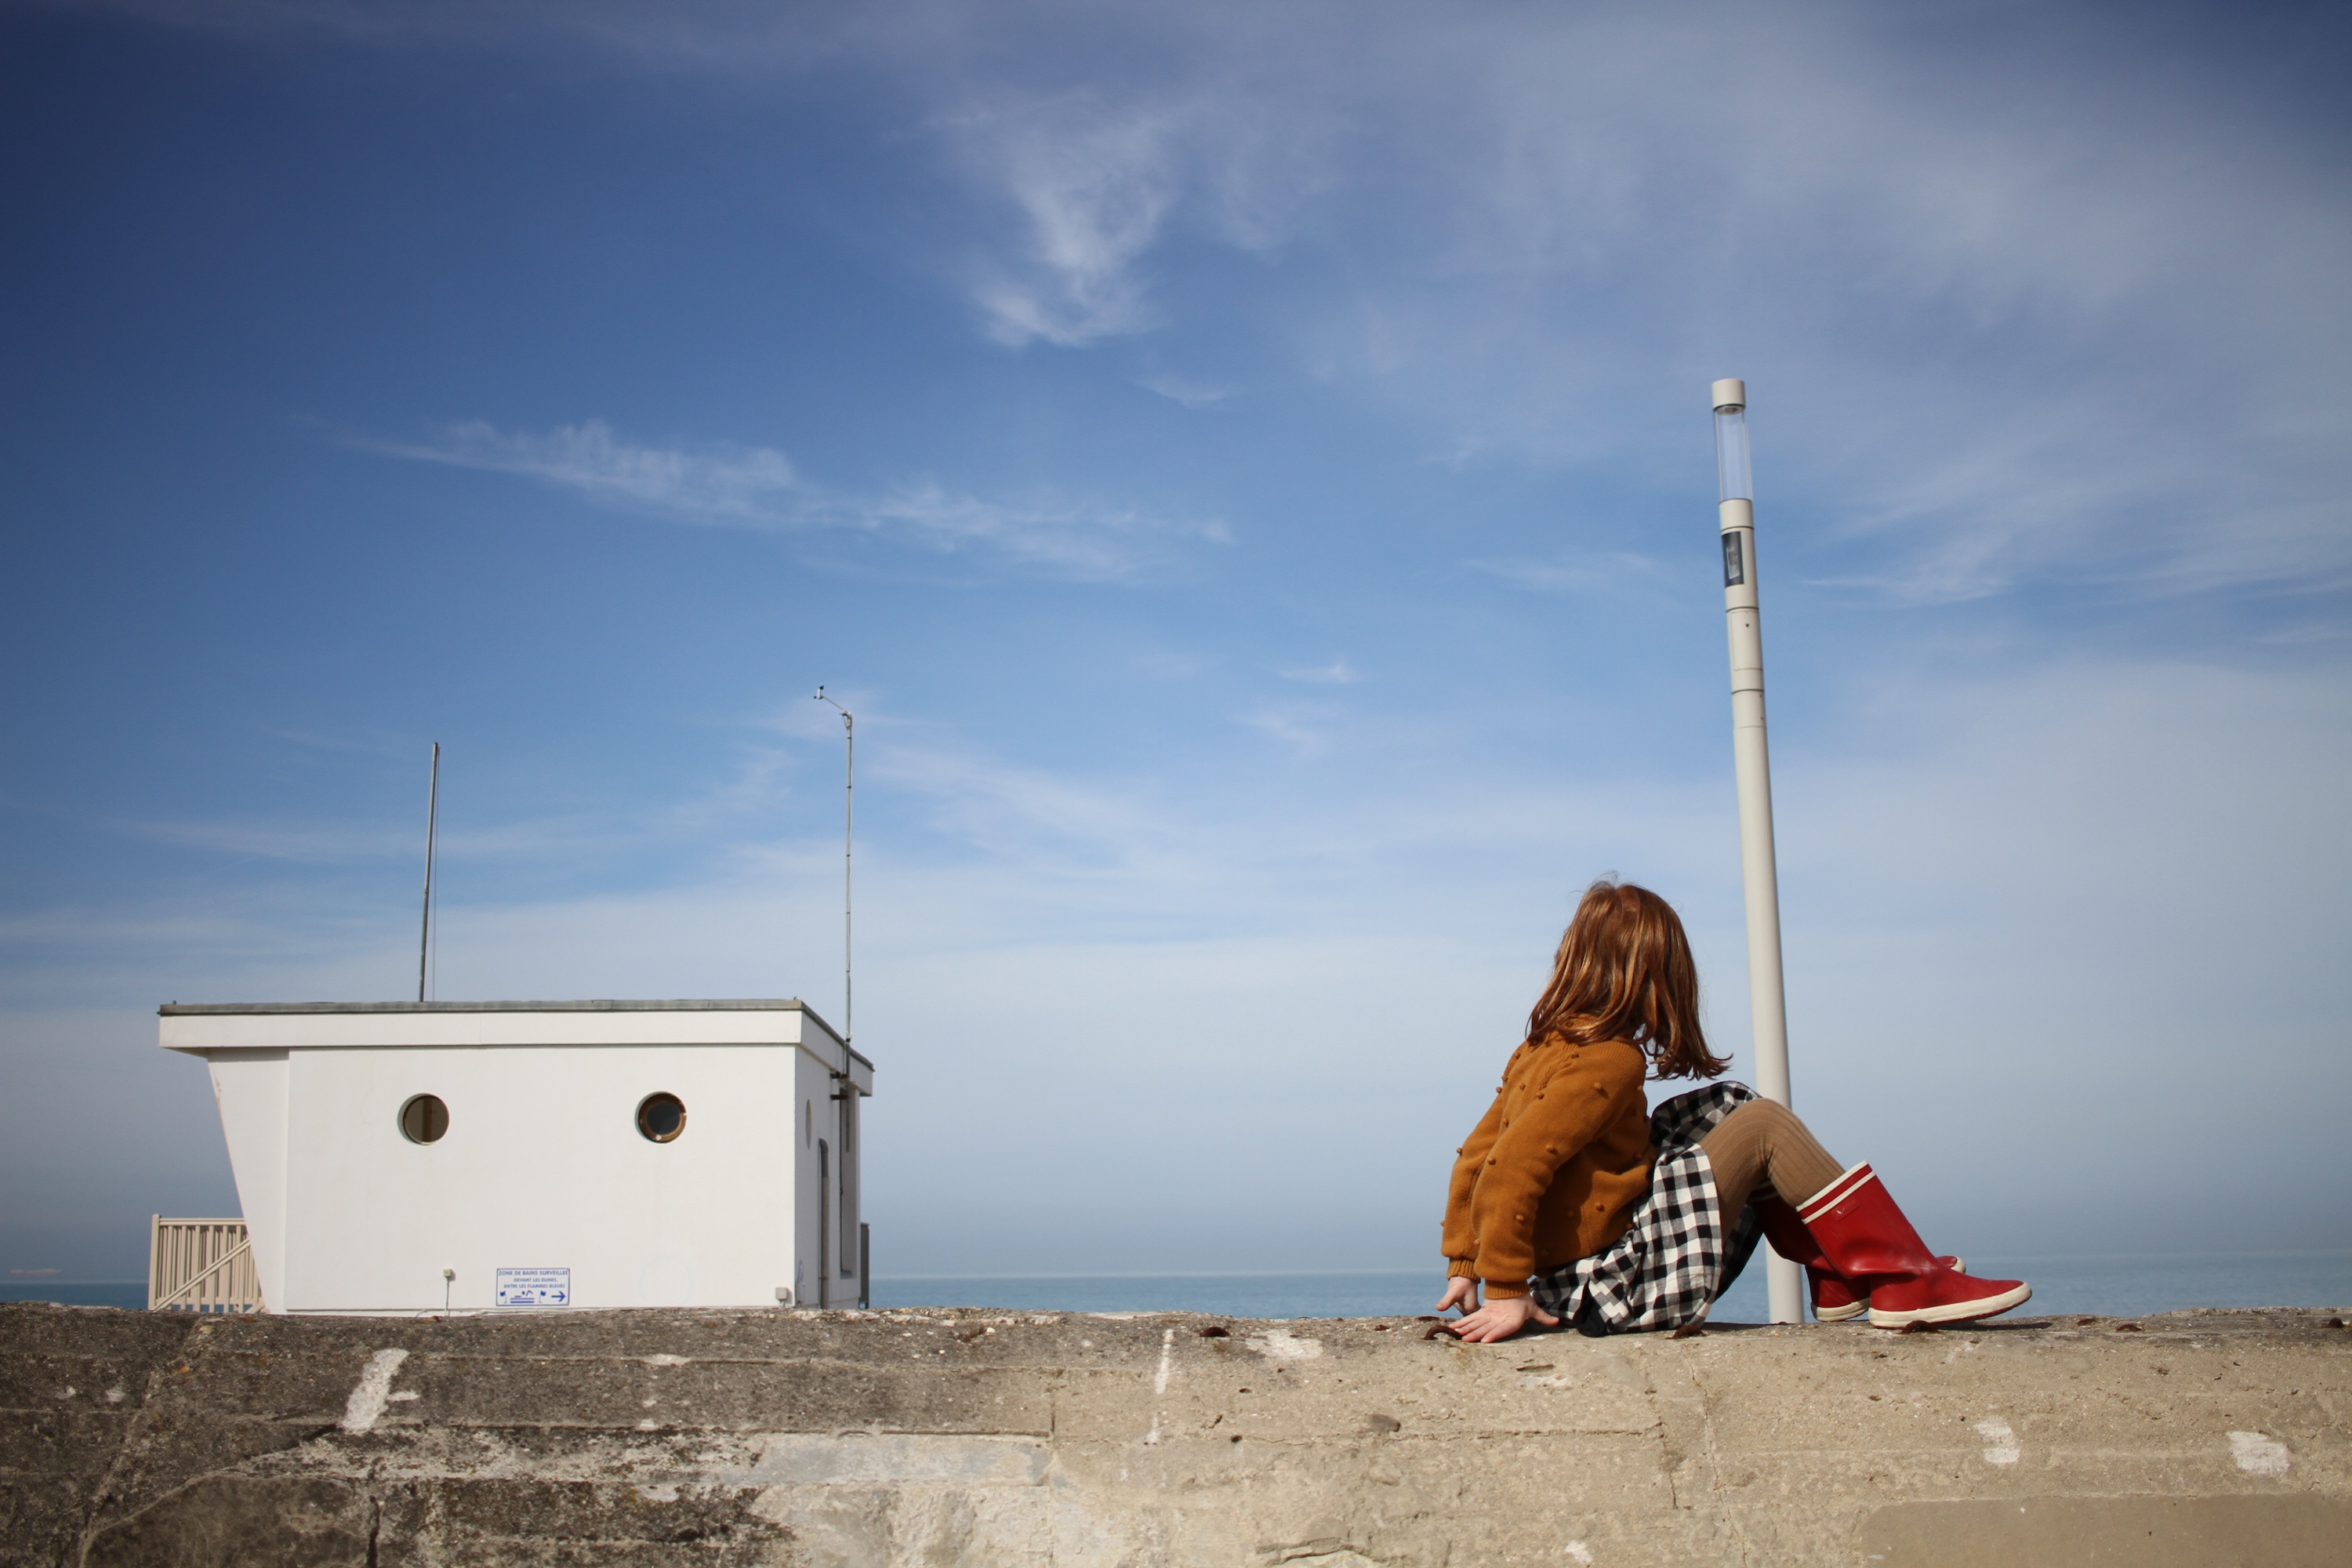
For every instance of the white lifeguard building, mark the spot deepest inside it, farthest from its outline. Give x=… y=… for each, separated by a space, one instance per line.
x=421 y=1156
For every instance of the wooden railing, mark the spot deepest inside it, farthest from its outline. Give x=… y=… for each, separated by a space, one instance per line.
x=201 y=1266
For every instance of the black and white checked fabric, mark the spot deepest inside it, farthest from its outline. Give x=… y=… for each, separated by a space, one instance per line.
x=1678 y=1255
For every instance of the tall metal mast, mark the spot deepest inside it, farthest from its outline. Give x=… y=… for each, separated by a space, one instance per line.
x=848 y=822
x=1760 y=873
x=432 y=825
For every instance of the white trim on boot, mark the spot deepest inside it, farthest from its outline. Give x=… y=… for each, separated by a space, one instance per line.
x=1848 y=1179
x=1955 y=1312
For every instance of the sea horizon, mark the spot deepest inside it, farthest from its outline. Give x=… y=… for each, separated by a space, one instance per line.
x=2123 y=1284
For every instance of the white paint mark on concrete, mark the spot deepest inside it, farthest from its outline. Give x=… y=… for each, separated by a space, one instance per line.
x=404 y=1395
x=1544 y=1383
x=1281 y=1345
x=1580 y=1554
x=115 y=1395
x=2257 y=1455
x=1159 y=1381
x=372 y=1393
x=666 y=1360
x=2001 y=1446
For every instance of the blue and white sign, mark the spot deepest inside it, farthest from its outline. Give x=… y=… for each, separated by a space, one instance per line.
x=534 y=1288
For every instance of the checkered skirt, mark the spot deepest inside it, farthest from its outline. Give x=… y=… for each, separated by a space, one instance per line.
x=1678 y=1255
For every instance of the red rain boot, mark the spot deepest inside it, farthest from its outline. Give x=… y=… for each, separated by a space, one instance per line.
x=1836 y=1298
x=1792 y=1241
x=1866 y=1238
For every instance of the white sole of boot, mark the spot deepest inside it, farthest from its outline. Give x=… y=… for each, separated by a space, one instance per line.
x=1954 y=1312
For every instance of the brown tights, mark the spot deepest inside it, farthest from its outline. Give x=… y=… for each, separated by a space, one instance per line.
x=1762 y=1143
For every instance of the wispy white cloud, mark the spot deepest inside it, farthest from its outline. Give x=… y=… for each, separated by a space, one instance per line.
x=1339 y=672
x=757 y=487
x=1067 y=829
x=1302 y=729
x=712 y=483
x=1098 y=175
x=1083 y=540
x=1951 y=290
x=1611 y=569
x=1093 y=186
x=1181 y=389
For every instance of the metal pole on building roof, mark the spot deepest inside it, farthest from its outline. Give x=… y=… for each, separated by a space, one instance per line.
x=848 y=822
x=1751 y=755
x=432 y=823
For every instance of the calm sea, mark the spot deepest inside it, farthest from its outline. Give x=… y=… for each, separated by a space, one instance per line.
x=2121 y=1286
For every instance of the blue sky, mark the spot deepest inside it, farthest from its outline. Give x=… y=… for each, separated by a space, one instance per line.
x=1249 y=470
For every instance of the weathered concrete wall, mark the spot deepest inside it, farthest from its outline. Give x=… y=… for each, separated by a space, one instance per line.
x=985 y=1438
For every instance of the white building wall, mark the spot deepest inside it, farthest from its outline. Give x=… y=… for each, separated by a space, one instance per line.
x=250 y=1087
x=814 y=1086
x=818 y=1276
x=542 y=1167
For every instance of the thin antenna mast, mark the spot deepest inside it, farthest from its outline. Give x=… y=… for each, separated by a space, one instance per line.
x=431 y=824
x=848 y=842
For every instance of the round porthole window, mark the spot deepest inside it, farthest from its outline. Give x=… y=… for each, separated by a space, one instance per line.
x=424 y=1118
x=661 y=1117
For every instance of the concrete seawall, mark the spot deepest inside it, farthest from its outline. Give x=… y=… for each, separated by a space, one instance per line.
x=988 y=1437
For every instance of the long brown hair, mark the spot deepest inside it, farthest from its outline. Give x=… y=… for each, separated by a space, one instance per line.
x=1624 y=973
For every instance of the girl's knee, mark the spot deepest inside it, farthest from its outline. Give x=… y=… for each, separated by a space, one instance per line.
x=1763 y=1115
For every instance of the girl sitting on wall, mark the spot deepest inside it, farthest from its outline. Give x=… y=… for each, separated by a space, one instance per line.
x=1571 y=1200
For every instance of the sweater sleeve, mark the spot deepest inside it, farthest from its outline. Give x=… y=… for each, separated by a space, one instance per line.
x=1580 y=1099
x=1460 y=1242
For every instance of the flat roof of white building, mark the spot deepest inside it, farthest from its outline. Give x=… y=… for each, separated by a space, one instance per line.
x=202 y=1028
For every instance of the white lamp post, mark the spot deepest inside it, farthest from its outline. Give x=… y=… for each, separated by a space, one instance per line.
x=1767 y=1002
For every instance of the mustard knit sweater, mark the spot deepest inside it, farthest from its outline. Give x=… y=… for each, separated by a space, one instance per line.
x=1554 y=1170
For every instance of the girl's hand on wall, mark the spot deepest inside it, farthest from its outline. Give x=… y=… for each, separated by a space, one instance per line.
x=1501 y=1317
x=1460 y=1291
